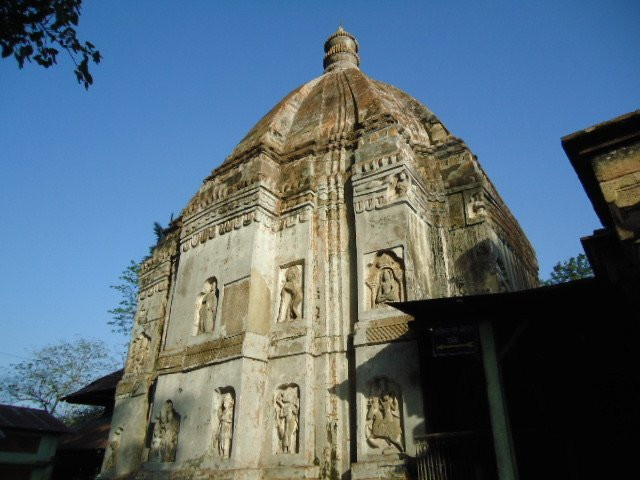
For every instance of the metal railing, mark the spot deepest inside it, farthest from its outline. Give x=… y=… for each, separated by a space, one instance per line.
x=455 y=456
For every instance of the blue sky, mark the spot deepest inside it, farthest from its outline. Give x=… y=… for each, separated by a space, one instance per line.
x=83 y=175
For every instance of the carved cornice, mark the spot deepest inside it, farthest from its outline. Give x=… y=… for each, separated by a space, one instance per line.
x=387 y=329
x=230 y=207
x=368 y=166
x=134 y=385
x=201 y=354
x=221 y=228
x=161 y=254
x=398 y=183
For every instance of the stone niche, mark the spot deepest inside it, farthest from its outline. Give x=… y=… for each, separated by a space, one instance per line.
x=223 y=421
x=286 y=404
x=207 y=307
x=164 y=441
x=235 y=306
x=384 y=278
x=383 y=417
x=290 y=293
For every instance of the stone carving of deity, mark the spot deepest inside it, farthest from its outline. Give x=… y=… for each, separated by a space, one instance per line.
x=385 y=279
x=287 y=407
x=383 y=428
x=224 y=432
x=111 y=461
x=165 y=434
x=388 y=287
x=291 y=295
x=477 y=206
x=402 y=183
x=208 y=306
x=138 y=355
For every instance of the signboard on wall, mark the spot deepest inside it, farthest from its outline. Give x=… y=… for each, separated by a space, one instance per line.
x=455 y=340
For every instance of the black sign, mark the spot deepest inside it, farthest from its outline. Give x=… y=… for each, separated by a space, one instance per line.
x=455 y=340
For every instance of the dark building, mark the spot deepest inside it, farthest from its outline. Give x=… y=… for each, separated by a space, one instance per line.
x=80 y=454
x=28 y=440
x=544 y=383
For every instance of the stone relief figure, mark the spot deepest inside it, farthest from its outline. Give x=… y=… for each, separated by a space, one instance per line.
x=142 y=314
x=402 y=183
x=224 y=402
x=291 y=295
x=208 y=306
x=388 y=287
x=385 y=279
x=287 y=409
x=383 y=429
x=476 y=206
x=138 y=354
x=165 y=434
x=111 y=460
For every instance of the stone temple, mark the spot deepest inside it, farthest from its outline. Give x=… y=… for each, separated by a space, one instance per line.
x=264 y=345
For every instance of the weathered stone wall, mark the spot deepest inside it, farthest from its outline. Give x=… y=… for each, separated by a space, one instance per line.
x=264 y=346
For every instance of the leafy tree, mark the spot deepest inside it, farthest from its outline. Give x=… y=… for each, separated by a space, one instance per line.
x=573 y=269
x=38 y=29
x=124 y=314
x=55 y=371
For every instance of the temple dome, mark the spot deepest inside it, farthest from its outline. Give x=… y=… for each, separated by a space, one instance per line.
x=335 y=106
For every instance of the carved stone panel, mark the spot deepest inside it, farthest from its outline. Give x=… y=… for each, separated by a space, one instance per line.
x=287 y=418
x=475 y=205
x=235 y=304
x=383 y=430
x=400 y=184
x=111 y=455
x=207 y=306
x=164 y=441
x=142 y=316
x=291 y=294
x=138 y=354
x=456 y=210
x=224 y=400
x=385 y=278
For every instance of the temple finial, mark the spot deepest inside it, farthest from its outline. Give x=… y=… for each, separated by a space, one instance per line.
x=341 y=50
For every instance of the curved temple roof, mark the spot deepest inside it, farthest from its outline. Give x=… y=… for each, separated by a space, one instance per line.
x=336 y=104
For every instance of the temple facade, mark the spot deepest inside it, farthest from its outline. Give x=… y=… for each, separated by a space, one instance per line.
x=264 y=344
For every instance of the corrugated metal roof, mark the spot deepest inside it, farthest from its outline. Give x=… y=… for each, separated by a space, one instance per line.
x=32 y=419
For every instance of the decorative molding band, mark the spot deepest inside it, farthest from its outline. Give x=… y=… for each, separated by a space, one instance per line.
x=201 y=354
x=214 y=350
x=227 y=226
x=160 y=255
x=170 y=361
x=220 y=187
x=300 y=215
x=149 y=290
x=388 y=329
x=376 y=164
x=133 y=385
